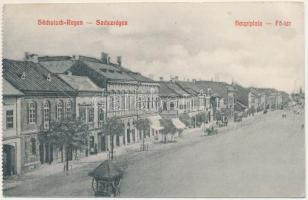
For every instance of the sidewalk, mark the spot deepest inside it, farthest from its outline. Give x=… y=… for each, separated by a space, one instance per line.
x=56 y=168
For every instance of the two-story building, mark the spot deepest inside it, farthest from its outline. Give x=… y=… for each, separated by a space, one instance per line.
x=130 y=96
x=90 y=106
x=46 y=98
x=11 y=156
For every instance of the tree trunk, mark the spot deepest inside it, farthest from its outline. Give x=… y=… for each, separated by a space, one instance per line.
x=67 y=161
x=143 y=141
x=61 y=154
x=112 y=146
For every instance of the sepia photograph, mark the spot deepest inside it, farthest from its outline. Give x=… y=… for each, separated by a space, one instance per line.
x=153 y=100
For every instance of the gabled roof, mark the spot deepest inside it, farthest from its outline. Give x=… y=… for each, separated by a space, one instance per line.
x=10 y=90
x=219 y=88
x=80 y=83
x=29 y=77
x=57 y=66
x=189 y=87
x=170 y=89
x=106 y=70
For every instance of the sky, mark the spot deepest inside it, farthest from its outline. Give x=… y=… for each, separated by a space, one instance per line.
x=189 y=40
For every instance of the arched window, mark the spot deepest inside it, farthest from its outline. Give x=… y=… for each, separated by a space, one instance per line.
x=46 y=111
x=59 y=113
x=32 y=113
x=101 y=114
x=68 y=111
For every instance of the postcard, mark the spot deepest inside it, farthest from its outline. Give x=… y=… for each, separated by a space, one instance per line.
x=153 y=100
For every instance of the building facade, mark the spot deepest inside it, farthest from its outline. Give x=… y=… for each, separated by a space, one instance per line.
x=11 y=157
x=46 y=98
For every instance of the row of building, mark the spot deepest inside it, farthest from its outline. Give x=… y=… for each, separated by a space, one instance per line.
x=42 y=89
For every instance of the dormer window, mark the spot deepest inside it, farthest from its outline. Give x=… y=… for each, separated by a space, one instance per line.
x=49 y=77
x=104 y=70
x=23 y=75
x=112 y=71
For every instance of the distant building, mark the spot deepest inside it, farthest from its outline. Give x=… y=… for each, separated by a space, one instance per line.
x=222 y=97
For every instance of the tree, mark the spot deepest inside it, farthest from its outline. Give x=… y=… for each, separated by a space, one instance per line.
x=66 y=134
x=143 y=125
x=168 y=128
x=184 y=117
x=113 y=127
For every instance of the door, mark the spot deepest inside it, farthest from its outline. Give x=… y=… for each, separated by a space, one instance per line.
x=103 y=143
x=9 y=167
x=128 y=136
x=41 y=150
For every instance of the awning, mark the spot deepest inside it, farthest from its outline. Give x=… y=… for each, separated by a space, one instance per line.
x=155 y=124
x=177 y=123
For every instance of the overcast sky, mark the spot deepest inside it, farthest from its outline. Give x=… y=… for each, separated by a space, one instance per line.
x=196 y=40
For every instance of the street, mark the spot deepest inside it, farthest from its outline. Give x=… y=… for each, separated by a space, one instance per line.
x=264 y=158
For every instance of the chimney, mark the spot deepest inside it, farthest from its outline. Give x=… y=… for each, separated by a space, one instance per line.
x=119 y=61
x=105 y=58
x=75 y=57
x=31 y=57
x=161 y=78
x=176 y=78
x=194 y=81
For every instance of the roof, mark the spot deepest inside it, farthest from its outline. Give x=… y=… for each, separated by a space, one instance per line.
x=220 y=88
x=169 y=88
x=165 y=91
x=35 y=77
x=80 y=83
x=108 y=71
x=10 y=90
x=106 y=170
x=57 y=66
x=241 y=94
x=189 y=87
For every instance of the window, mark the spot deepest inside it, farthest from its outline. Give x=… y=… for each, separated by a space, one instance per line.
x=82 y=113
x=33 y=146
x=152 y=102
x=171 y=106
x=32 y=113
x=128 y=103
x=101 y=114
x=91 y=114
x=118 y=101
x=59 y=114
x=46 y=111
x=9 y=119
x=148 y=103
x=111 y=104
x=139 y=103
x=123 y=102
x=68 y=109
